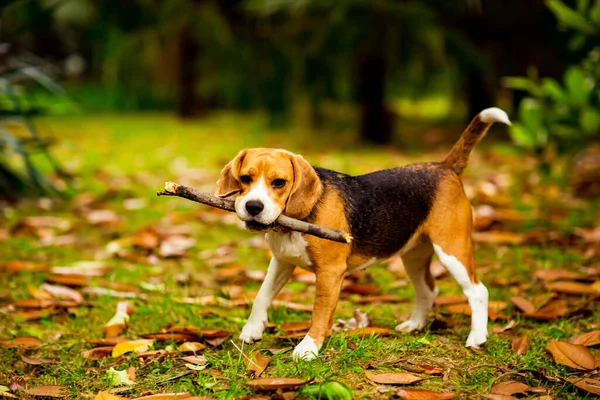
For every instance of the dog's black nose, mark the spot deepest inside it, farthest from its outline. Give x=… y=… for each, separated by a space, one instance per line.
x=254 y=207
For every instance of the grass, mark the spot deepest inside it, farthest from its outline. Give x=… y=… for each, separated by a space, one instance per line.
x=120 y=157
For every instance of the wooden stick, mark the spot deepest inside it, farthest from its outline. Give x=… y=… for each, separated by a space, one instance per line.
x=174 y=189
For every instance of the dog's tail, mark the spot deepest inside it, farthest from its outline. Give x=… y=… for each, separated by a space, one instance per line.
x=458 y=157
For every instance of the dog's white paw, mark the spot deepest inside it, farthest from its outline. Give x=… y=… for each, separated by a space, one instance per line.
x=476 y=339
x=410 y=325
x=252 y=332
x=307 y=349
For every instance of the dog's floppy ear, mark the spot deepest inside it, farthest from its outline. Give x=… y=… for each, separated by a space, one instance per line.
x=228 y=182
x=306 y=189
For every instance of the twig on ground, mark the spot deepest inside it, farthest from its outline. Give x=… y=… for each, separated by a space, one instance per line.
x=174 y=189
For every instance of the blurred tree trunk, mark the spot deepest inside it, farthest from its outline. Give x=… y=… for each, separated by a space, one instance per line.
x=188 y=103
x=376 y=120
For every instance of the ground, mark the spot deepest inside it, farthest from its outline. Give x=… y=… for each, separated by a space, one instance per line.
x=188 y=265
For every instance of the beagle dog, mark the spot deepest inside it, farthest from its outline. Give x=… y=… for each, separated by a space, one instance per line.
x=412 y=211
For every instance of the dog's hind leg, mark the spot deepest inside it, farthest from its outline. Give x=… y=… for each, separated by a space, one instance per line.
x=416 y=262
x=278 y=273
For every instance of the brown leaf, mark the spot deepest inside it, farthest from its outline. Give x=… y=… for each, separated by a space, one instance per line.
x=216 y=341
x=572 y=355
x=361 y=288
x=499 y=237
x=511 y=324
x=450 y=300
x=196 y=360
x=523 y=304
x=382 y=298
x=23 y=266
x=555 y=308
x=553 y=274
x=42 y=303
x=110 y=341
x=165 y=396
x=256 y=364
x=509 y=388
x=131 y=373
x=368 y=331
x=587 y=384
x=430 y=369
x=69 y=279
x=38 y=361
x=571 y=287
x=498 y=397
x=33 y=315
x=24 y=342
x=291 y=327
x=393 y=378
x=48 y=391
x=521 y=345
x=422 y=394
x=63 y=293
x=98 y=353
x=277 y=383
x=586 y=339
x=146 y=238
x=190 y=347
x=102 y=395
x=214 y=333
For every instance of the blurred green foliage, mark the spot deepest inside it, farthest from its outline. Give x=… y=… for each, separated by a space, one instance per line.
x=563 y=115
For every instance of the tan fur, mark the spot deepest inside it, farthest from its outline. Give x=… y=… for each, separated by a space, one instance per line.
x=306 y=189
x=458 y=157
x=330 y=262
x=450 y=221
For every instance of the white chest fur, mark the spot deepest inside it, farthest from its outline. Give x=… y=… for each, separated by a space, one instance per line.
x=289 y=247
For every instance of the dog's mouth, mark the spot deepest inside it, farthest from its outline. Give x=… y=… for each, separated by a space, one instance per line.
x=255 y=226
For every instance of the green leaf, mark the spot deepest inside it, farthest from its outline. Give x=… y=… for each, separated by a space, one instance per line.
x=521 y=136
x=577 y=42
x=589 y=119
x=4 y=389
x=569 y=17
x=118 y=378
x=552 y=89
x=582 y=6
x=530 y=115
x=578 y=89
x=595 y=13
x=328 y=390
x=518 y=83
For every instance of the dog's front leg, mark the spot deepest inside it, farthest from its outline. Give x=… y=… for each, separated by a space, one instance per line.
x=328 y=286
x=278 y=273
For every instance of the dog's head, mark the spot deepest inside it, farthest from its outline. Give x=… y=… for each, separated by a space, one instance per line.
x=269 y=182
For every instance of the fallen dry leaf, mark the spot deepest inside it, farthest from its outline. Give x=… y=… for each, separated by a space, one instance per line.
x=492 y=396
x=499 y=237
x=24 y=342
x=62 y=293
x=361 y=288
x=69 y=279
x=33 y=315
x=98 y=353
x=382 y=298
x=111 y=341
x=450 y=300
x=520 y=345
x=586 y=339
x=393 y=378
x=256 y=364
x=523 y=304
x=117 y=324
x=165 y=396
x=190 y=347
x=102 y=395
x=291 y=327
x=42 y=303
x=509 y=388
x=422 y=394
x=553 y=275
x=23 y=266
x=171 y=337
x=196 y=360
x=38 y=361
x=47 y=391
x=570 y=287
x=587 y=384
x=277 y=383
x=368 y=331
x=572 y=355
x=137 y=346
x=146 y=238
x=511 y=324
x=553 y=309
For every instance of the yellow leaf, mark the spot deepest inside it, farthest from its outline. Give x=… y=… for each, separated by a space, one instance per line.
x=136 y=346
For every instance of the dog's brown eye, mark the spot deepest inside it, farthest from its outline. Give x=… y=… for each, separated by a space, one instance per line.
x=245 y=179
x=278 y=183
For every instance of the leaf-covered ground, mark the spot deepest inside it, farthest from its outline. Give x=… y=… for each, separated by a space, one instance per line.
x=118 y=261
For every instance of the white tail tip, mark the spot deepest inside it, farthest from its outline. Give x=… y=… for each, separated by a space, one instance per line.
x=494 y=114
